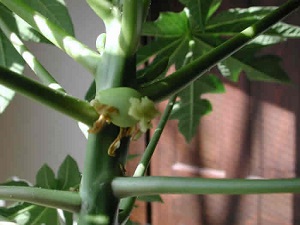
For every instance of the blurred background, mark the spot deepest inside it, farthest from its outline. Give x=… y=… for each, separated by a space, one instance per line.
x=32 y=134
x=253 y=131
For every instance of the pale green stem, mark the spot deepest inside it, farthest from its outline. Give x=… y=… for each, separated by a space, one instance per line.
x=139 y=186
x=128 y=203
x=29 y=58
x=104 y=9
x=55 y=34
x=66 y=200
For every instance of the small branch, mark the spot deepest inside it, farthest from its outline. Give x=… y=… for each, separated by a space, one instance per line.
x=128 y=203
x=29 y=58
x=74 y=48
x=138 y=186
x=145 y=160
x=77 y=109
x=184 y=76
x=66 y=200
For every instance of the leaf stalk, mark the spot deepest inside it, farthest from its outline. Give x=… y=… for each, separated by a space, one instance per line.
x=75 y=108
x=66 y=200
x=138 y=186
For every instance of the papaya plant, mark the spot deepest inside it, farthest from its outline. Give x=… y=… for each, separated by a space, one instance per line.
x=120 y=104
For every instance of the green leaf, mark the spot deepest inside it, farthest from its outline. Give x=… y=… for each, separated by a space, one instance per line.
x=68 y=174
x=235 y=20
x=54 y=10
x=153 y=70
x=9 y=58
x=284 y=30
x=19 y=26
x=168 y=25
x=45 y=178
x=68 y=218
x=156 y=47
x=245 y=60
x=11 y=211
x=91 y=92
x=150 y=198
x=188 y=114
x=18 y=183
x=191 y=107
x=28 y=214
x=200 y=11
x=36 y=215
x=42 y=215
x=266 y=68
x=2 y=218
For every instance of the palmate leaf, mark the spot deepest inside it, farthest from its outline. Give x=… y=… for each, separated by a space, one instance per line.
x=68 y=174
x=156 y=47
x=45 y=178
x=262 y=68
x=191 y=107
x=68 y=177
x=27 y=214
x=200 y=11
x=168 y=25
x=233 y=21
x=237 y=19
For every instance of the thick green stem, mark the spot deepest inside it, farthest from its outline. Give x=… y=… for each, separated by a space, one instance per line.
x=29 y=58
x=74 y=48
x=98 y=200
x=132 y=21
x=137 y=186
x=66 y=200
x=184 y=76
x=77 y=109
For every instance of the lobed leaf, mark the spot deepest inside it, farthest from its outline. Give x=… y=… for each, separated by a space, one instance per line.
x=233 y=21
x=188 y=114
x=191 y=107
x=45 y=178
x=156 y=47
x=68 y=175
x=168 y=25
x=200 y=11
x=19 y=26
x=54 y=10
x=237 y=19
x=245 y=60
